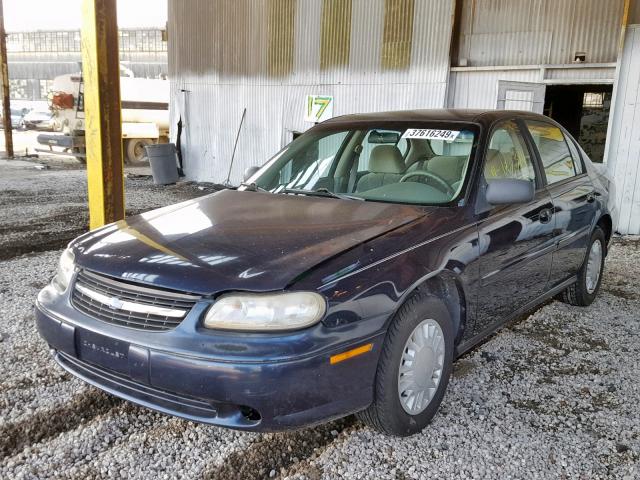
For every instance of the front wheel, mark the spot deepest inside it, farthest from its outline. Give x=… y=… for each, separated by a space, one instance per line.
x=584 y=291
x=414 y=367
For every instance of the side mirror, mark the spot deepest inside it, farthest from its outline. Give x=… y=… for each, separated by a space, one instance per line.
x=509 y=190
x=250 y=172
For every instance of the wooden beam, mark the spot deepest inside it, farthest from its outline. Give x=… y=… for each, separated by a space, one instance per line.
x=103 y=129
x=6 y=94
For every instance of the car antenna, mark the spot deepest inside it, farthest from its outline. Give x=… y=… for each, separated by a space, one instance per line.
x=226 y=183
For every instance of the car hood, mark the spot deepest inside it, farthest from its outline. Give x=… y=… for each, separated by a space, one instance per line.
x=235 y=240
x=37 y=116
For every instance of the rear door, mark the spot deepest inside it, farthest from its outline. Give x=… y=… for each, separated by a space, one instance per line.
x=572 y=193
x=516 y=241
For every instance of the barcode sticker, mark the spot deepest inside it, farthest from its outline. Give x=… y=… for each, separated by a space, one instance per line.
x=431 y=134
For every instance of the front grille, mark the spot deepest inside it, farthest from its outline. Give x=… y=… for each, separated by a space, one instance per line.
x=129 y=305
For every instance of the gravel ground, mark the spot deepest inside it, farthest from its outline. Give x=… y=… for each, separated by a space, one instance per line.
x=554 y=395
x=42 y=210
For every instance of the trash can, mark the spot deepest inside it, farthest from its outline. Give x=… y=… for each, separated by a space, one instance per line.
x=163 y=159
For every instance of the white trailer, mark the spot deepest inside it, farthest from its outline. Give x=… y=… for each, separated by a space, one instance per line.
x=145 y=116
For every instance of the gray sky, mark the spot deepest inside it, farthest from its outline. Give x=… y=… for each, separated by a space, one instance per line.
x=25 y=15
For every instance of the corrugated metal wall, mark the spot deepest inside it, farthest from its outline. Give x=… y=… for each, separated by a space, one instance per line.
x=623 y=151
x=267 y=55
x=479 y=89
x=530 y=32
x=634 y=14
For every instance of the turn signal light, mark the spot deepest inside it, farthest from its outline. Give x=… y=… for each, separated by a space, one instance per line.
x=340 y=357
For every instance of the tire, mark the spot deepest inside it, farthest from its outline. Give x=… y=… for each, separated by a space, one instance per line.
x=135 y=153
x=579 y=293
x=387 y=413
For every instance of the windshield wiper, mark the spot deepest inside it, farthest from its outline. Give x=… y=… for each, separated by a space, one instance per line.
x=252 y=187
x=320 y=192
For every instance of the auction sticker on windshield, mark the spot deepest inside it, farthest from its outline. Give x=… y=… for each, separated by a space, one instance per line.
x=431 y=134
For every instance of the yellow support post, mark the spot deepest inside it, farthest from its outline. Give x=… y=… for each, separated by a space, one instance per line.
x=103 y=128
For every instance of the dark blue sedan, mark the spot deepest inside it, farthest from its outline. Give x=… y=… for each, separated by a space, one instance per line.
x=344 y=276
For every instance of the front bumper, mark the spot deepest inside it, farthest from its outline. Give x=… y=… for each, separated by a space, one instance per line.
x=263 y=395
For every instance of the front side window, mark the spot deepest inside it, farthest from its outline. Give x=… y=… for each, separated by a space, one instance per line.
x=368 y=163
x=554 y=152
x=507 y=155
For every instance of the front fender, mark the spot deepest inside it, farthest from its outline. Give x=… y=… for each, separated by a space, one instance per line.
x=379 y=288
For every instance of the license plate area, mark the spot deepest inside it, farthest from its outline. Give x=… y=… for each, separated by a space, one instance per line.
x=102 y=351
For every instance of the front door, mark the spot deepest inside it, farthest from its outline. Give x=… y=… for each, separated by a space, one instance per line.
x=516 y=241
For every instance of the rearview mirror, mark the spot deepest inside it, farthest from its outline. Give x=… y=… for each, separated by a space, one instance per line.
x=250 y=172
x=509 y=190
x=383 y=137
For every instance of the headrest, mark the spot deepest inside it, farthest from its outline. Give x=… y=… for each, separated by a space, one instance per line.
x=494 y=164
x=386 y=159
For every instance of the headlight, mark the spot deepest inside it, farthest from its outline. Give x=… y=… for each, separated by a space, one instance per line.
x=66 y=266
x=260 y=312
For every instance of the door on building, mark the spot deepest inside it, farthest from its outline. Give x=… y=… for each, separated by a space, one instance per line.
x=521 y=96
x=584 y=111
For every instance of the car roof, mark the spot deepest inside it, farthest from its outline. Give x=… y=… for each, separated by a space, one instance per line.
x=482 y=117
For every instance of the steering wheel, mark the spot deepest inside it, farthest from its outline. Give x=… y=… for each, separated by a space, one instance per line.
x=439 y=180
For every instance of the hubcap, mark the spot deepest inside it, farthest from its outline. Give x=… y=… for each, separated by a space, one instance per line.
x=594 y=265
x=139 y=151
x=421 y=367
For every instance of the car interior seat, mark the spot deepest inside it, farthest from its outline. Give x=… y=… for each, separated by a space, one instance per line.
x=386 y=166
x=496 y=165
x=447 y=167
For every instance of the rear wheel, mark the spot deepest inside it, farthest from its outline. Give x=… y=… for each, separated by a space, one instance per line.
x=414 y=368
x=584 y=291
x=135 y=152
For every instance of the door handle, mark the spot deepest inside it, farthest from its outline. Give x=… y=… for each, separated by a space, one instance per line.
x=545 y=215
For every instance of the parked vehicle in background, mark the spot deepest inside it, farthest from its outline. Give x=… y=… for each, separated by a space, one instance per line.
x=39 y=120
x=17 y=118
x=145 y=116
x=344 y=276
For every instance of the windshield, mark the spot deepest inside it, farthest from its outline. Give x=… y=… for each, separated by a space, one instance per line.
x=412 y=163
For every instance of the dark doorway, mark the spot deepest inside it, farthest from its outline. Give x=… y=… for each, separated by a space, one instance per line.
x=584 y=111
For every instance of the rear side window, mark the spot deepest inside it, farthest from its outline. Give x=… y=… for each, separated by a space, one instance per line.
x=577 y=159
x=556 y=157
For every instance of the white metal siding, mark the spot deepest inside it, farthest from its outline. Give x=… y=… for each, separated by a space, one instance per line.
x=585 y=74
x=479 y=89
x=218 y=56
x=623 y=157
x=522 y=32
x=634 y=14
